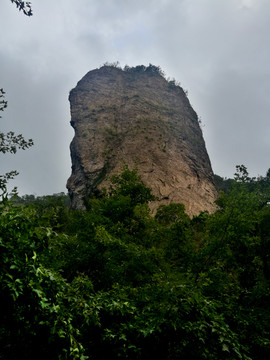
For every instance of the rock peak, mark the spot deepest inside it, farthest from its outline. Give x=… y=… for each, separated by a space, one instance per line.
x=137 y=117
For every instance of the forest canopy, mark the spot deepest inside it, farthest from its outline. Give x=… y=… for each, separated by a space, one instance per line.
x=115 y=282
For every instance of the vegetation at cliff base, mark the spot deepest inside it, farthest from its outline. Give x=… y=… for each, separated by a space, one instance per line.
x=114 y=282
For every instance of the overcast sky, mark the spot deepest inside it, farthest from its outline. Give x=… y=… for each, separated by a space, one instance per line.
x=217 y=49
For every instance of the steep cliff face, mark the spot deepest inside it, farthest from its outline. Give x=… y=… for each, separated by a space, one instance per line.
x=139 y=118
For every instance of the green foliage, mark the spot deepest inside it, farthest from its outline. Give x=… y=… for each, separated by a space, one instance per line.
x=9 y=143
x=128 y=184
x=114 y=282
x=232 y=263
x=167 y=215
x=34 y=313
x=3 y=103
x=24 y=6
x=223 y=184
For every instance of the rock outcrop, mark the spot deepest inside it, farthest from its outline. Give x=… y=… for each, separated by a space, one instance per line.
x=136 y=117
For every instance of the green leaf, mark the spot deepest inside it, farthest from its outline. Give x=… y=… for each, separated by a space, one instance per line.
x=225 y=348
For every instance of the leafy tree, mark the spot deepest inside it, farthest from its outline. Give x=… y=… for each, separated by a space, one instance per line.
x=233 y=261
x=35 y=320
x=169 y=214
x=24 y=6
x=10 y=142
x=129 y=184
x=223 y=184
x=120 y=284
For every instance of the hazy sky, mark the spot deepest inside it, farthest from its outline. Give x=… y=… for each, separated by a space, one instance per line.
x=217 y=49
